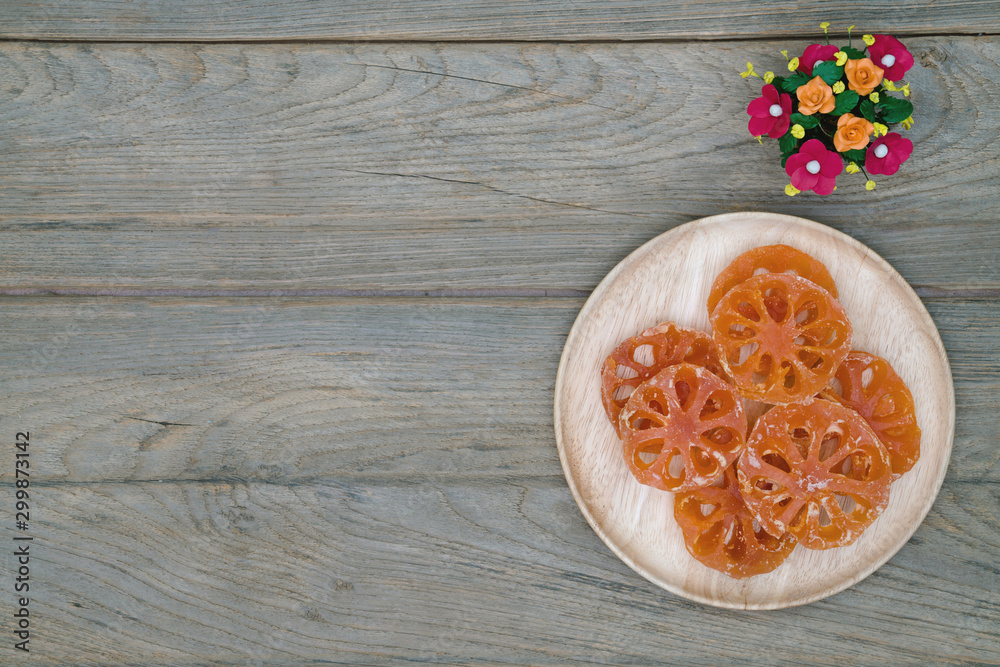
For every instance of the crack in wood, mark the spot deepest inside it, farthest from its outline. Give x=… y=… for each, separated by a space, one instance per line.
x=152 y=421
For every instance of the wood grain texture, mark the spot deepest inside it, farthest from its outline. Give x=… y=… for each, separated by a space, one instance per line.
x=374 y=479
x=289 y=390
x=428 y=167
x=669 y=279
x=231 y=20
x=446 y=570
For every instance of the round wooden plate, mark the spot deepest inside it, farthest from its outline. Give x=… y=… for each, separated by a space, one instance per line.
x=669 y=279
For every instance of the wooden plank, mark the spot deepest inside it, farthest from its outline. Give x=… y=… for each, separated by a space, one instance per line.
x=543 y=20
x=447 y=570
x=289 y=390
x=428 y=167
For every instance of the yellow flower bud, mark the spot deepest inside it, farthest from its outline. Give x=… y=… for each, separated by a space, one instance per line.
x=905 y=88
x=880 y=129
x=798 y=131
x=760 y=141
x=791 y=190
x=793 y=64
x=768 y=77
x=841 y=58
x=873 y=97
x=838 y=88
x=785 y=53
x=908 y=123
x=852 y=168
x=870 y=185
x=869 y=40
x=749 y=71
x=849 y=29
x=824 y=25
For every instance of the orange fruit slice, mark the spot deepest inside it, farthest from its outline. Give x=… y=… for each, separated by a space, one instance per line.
x=816 y=471
x=682 y=428
x=641 y=357
x=770 y=259
x=870 y=387
x=720 y=532
x=781 y=338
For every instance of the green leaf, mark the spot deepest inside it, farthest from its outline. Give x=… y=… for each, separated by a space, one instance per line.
x=807 y=122
x=852 y=53
x=788 y=143
x=895 y=109
x=868 y=110
x=845 y=102
x=829 y=71
x=855 y=156
x=791 y=84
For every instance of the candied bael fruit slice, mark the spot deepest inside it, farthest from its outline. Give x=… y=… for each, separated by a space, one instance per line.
x=781 y=337
x=682 y=428
x=720 y=532
x=771 y=259
x=870 y=387
x=816 y=471
x=641 y=357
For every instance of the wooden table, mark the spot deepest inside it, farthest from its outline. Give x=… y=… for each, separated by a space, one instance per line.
x=285 y=286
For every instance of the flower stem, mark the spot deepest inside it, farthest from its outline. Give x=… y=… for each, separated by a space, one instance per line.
x=820 y=127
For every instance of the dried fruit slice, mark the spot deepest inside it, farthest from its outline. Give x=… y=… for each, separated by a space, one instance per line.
x=770 y=259
x=682 y=428
x=780 y=337
x=870 y=386
x=816 y=471
x=720 y=532
x=641 y=357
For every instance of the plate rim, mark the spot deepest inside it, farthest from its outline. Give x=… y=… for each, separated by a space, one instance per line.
x=598 y=293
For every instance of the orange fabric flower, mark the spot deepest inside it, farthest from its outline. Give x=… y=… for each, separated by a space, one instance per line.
x=815 y=96
x=852 y=133
x=863 y=75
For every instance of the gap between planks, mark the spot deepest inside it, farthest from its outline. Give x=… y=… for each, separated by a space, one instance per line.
x=923 y=291
x=392 y=479
x=265 y=41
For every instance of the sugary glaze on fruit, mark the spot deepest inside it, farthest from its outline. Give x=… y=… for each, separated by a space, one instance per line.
x=816 y=471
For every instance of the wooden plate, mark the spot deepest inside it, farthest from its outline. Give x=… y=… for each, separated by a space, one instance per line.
x=669 y=279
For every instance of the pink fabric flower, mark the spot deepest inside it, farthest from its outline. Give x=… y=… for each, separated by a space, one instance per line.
x=815 y=53
x=885 y=154
x=814 y=168
x=889 y=53
x=772 y=113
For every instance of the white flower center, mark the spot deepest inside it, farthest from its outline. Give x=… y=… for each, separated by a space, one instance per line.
x=812 y=167
x=818 y=63
x=881 y=151
x=888 y=60
x=775 y=110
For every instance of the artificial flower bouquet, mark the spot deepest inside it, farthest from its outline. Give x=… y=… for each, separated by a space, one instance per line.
x=842 y=113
